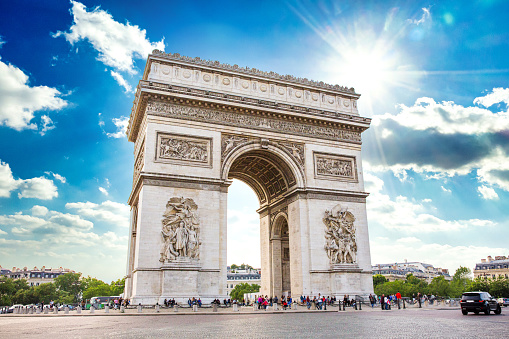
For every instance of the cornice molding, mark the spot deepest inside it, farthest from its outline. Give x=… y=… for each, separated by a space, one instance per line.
x=252 y=72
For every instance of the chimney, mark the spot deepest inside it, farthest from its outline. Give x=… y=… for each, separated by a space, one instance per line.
x=490 y=259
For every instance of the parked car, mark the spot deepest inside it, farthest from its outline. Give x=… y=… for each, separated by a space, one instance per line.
x=503 y=301
x=479 y=301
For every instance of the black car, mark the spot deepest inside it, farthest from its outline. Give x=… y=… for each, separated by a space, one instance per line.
x=479 y=302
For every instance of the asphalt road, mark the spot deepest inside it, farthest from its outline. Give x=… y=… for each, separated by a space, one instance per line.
x=361 y=324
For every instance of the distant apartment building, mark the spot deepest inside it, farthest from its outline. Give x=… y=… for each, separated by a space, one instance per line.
x=235 y=277
x=35 y=276
x=492 y=268
x=399 y=271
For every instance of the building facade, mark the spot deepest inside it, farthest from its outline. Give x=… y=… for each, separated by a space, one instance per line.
x=236 y=277
x=399 y=271
x=35 y=276
x=492 y=267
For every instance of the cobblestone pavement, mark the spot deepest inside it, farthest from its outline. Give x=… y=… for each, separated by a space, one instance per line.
x=429 y=323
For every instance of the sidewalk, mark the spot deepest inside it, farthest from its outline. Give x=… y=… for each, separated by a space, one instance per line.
x=248 y=310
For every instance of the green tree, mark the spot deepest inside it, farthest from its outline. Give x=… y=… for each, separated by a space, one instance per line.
x=239 y=290
x=379 y=279
x=70 y=283
x=499 y=287
x=460 y=282
x=439 y=287
x=95 y=288
x=479 y=284
x=117 y=287
x=46 y=292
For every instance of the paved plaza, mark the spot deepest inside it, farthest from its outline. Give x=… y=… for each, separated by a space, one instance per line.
x=429 y=323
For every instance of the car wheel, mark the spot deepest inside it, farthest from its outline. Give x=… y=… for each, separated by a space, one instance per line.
x=465 y=312
x=498 y=310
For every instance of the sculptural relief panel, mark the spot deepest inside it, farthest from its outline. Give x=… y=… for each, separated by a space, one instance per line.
x=251 y=121
x=180 y=231
x=331 y=166
x=181 y=149
x=340 y=238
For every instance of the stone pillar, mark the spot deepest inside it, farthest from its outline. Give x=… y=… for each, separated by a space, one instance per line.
x=66 y=310
x=158 y=308
x=176 y=308
x=140 y=308
x=195 y=308
x=106 y=309
x=37 y=310
x=122 y=309
x=46 y=310
x=55 y=309
x=92 y=309
x=235 y=308
x=214 y=307
x=78 y=310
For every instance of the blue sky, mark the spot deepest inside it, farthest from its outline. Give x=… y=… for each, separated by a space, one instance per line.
x=433 y=76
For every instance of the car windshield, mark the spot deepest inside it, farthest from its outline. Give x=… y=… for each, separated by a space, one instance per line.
x=471 y=296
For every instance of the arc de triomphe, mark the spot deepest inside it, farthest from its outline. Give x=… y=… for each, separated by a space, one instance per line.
x=198 y=124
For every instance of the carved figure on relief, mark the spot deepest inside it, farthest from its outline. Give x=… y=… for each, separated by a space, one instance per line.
x=229 y=142
x=183 y=150
x=180 y=230
x=335 y=167
x=341 y=245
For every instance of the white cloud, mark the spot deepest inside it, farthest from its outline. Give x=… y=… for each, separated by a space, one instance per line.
x=121 y=124
x=39 y=188
x=2 y=41
x=39 y=210
x=1 y=231
x=122 y=82
x=385 y=250
x=445 y=139
x=498 y=95
x=243 y=238
x=108 y=211
x=7 y=181
x=426 y=15
x=104 y=191
x=487 y=193
x=57 y=176
x=20 y=101
x=117 y=44
x=447 y=118
x=47 y=124
x=406 y=215
x=446 y=190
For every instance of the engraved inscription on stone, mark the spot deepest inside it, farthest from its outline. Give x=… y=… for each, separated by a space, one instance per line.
x=341 y=245
x=183 y=149
x=180 y=231
x=335 y=166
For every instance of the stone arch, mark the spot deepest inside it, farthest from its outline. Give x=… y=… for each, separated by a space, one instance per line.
x=265 y=167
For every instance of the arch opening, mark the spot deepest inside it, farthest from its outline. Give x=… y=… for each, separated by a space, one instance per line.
x=265 y=172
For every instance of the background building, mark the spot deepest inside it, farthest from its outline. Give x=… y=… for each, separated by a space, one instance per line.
x=399 y=271
x=492 y=268
x=235 y=277
x=36 y=276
